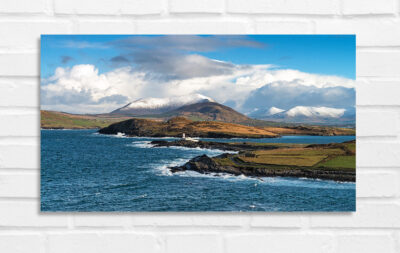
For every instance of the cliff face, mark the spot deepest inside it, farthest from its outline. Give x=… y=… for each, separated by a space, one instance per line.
x=178 y=125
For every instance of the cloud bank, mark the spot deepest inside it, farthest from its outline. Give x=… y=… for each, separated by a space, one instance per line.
x=82 y=89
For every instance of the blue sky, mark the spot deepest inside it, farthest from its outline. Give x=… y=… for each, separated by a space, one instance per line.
x=318 y=54
x=100 y=73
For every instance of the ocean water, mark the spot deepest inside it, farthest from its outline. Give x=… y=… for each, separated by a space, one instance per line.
x=84 y=171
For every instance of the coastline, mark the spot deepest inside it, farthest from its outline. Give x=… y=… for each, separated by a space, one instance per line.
x=206 y=165
x=237 y=164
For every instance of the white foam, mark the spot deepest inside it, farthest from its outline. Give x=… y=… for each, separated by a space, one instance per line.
x=120 y=135
x=209 y=150
x=154 y=138
x=163 y=167
x=141 y=144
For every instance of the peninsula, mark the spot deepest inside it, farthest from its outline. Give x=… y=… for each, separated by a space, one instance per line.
x=335 y=161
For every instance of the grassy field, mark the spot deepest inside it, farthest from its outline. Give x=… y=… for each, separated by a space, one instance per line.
x=339 y=156
x=61 y=120
x=340 y=162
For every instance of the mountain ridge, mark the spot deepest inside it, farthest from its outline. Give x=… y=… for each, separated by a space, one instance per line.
x=308 y=115
x=152 y=106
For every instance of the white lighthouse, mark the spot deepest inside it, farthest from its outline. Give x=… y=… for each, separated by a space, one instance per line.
x=188 y=138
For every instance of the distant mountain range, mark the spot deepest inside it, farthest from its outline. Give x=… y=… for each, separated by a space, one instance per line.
x=308 y=114
x=200 y=107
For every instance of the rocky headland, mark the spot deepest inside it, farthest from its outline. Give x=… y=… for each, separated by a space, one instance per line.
x=326 y=161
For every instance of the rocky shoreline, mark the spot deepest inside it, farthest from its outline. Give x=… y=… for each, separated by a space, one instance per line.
x=233 y=164
x=211 y=145
x=205 y=165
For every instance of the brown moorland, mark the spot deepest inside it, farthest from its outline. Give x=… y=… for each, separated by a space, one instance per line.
x=175 y=127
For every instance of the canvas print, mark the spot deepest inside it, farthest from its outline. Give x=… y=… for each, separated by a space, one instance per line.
x=198 y=123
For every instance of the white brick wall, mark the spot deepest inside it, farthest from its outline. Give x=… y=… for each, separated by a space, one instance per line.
x=375 y=227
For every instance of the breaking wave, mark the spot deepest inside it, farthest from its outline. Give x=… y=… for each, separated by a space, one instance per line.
x=141 y=144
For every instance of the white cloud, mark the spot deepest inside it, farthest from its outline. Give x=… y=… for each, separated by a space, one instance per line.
x=285 y=95
x=274 y=110
x=82 y=89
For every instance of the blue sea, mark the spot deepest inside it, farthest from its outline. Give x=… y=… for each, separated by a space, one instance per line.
x=84 y=171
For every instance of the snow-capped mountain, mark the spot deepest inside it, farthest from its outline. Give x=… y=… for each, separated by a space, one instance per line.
x=149 y=106
x=320 y=112
x=308 y=114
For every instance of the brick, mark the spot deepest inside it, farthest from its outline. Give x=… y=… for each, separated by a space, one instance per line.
x=200 y=6
x=20 y=125
x=102 y=242
x=377 y=184
x=10 y=156
x=182 y=243
x=19 y=64
x=101 y=220
x=365 y=243
x=369 y=32
x=355 y=7
x=276 y=242
x=19 y=185
x=378 y=63
x=378 y=93
x=378 y=154
x=369 y=123
x=87 y=7
x=368 y=215
x=27 y=214
x=192 y=27
x=176 y=219
x=106 y=27
x=16 y=92
x=316 y=7
x=22 y=6
x=283 y=27
x=26 y=34
x=275 y=220
x=106 y=7
x=142 y=7
x=22 y=243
